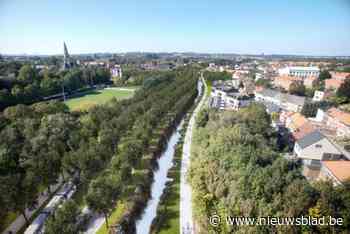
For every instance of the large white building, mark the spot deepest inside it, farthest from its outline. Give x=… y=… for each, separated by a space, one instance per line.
x=116 y=71
x=300 y=71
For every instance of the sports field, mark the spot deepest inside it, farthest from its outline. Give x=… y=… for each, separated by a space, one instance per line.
x=85 y=100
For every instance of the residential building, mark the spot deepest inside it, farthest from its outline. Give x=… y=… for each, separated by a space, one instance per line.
x=315 y=147
x=318 y=96
x=240 y=74
x=303 y=130
x=340 y=75
x=258 y=76
x=225 y=97
x=286 y=81
x=300 y=71
x=284 y=101
x=336 y=119
x=298 y=125
x=333 y=84
x=310 y=81
x=236 y=101
x=338 y=78
x=336 y=171
x=116 y=71
x=295 y=121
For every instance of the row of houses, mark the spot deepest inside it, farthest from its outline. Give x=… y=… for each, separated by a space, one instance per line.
x=315 y=143
x=310 y=79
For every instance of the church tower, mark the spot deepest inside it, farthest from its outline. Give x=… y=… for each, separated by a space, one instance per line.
x=67 y=63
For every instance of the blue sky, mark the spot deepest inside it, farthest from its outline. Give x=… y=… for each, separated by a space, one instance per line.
x=314 y=27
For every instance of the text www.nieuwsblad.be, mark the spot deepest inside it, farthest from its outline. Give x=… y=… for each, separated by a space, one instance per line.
x=215 y=220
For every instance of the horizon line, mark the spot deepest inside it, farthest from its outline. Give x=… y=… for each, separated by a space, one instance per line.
x=175 y=52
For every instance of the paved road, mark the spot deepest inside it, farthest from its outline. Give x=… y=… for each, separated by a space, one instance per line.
x=121 y=89
x=95 y=223
x=186 y=220
x=20 y=221
x=64 y=194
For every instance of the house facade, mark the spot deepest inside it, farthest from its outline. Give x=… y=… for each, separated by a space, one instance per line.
x=336 y=171
x=336 y=119
x=284 y=101
x=300 y=71
x=314 y=148
x=338 y=78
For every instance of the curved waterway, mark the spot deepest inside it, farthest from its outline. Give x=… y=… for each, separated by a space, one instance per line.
x=165 y=162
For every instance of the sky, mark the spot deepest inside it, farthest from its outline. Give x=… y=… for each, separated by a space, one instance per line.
x=301 y=27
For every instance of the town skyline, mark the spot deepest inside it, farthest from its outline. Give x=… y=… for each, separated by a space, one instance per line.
x=271 y=27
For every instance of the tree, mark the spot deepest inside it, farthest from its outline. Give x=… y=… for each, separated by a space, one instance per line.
x=64 y=220
x=18 y=192
x=264 y=83
x=55 y=137
x=18 y=112
x=297 y=89
x=102 y=195
x=344 y=90
x=310 y=108
x=73 y=80
x=102 y=76
x=202 y=118
x=26 y=74
x=324 y=75
x=49 y=108
x=50 y=85
x=5 y=98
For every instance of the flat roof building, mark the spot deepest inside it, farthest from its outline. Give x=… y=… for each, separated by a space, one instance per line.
x=300 y=71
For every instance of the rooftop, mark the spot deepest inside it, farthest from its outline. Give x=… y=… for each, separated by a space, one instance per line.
x=298 y=120
x=303 y=130
x=342 y=116
x=284 y=97
x=310 y=139
x=340 y=75
x=304 y=68
x=339 y=169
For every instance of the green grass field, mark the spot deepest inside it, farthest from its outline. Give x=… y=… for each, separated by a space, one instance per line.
x=85 y=100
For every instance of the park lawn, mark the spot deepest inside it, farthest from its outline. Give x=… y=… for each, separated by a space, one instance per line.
x=91 y=98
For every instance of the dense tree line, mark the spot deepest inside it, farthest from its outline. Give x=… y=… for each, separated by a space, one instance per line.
x=34 y=139
x=212 y=76
x=123 y=132
x=135 y=76
x=30 y=85
x=236 y=170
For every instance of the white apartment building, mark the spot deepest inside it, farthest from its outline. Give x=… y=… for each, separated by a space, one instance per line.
x=300 y=71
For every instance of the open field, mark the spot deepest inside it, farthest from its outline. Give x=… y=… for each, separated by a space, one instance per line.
x=85 y=100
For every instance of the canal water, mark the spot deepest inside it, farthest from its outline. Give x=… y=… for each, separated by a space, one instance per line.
x=165 y=162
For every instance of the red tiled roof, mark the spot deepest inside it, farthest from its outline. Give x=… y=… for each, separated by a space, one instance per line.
x=342 y=116
x=340 y=75
x=340 y=169
x=303 y=130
